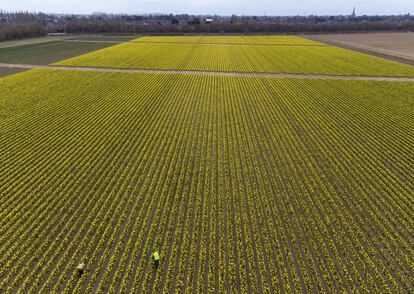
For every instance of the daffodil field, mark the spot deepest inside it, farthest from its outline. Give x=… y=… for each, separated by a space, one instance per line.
x=246 y=40
x=295 y=57
x=242 y=184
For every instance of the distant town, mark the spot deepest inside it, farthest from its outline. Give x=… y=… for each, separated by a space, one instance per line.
x=21 y=24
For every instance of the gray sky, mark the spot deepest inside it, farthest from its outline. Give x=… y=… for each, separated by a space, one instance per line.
x=223 y=7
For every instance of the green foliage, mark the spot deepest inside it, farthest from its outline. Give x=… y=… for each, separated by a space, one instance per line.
x=47 y=52
x=244 y=184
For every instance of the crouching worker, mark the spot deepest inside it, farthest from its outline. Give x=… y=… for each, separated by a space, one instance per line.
x=81 y=269
x=156 y=259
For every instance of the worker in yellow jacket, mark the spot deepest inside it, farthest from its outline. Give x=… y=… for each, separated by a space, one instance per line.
x=156 y=258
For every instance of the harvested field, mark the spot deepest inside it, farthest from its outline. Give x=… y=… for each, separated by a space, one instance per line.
x=395 y=46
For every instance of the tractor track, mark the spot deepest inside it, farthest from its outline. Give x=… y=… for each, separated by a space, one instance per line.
x=205 y=72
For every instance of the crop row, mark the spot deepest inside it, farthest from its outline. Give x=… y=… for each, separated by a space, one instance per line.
x=242 y=184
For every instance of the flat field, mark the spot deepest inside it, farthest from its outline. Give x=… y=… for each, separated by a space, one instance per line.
x=51 y=49
x=240 y=58
x=242 y=184
x=249 y=40
x=28 y=41
x=101 y=38
x=46 y=52
x=398 y=45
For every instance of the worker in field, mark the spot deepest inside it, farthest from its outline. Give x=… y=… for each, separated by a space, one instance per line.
x=156 y=259
x=81 y=269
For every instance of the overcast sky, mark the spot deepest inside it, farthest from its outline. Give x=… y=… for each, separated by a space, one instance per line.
x=223 y=7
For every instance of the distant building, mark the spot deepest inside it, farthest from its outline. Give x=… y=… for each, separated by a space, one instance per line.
x=353 y=15
x=208 y=20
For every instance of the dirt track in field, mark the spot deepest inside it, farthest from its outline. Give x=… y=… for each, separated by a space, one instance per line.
x=2 y=46
x=214 y=73
x=96 y=41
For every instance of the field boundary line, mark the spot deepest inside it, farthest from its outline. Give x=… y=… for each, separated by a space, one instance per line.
x=205 y=72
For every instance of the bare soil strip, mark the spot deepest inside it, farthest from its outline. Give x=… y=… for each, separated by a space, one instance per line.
x=204 y=72
x=31 y=43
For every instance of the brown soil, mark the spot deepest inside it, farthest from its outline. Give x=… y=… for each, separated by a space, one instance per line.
x=395 y=46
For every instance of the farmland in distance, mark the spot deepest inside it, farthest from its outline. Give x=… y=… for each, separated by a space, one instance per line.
x=247 y=40
x=268 y=55
x=394 y=46
x=46 y=50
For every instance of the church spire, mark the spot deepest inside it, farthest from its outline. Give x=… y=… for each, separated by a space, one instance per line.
x=353 y=15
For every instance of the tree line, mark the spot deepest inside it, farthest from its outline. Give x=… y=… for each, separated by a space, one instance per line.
x=21 y=31
x=15 y=25
x=115 y=27
x=19 y=25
